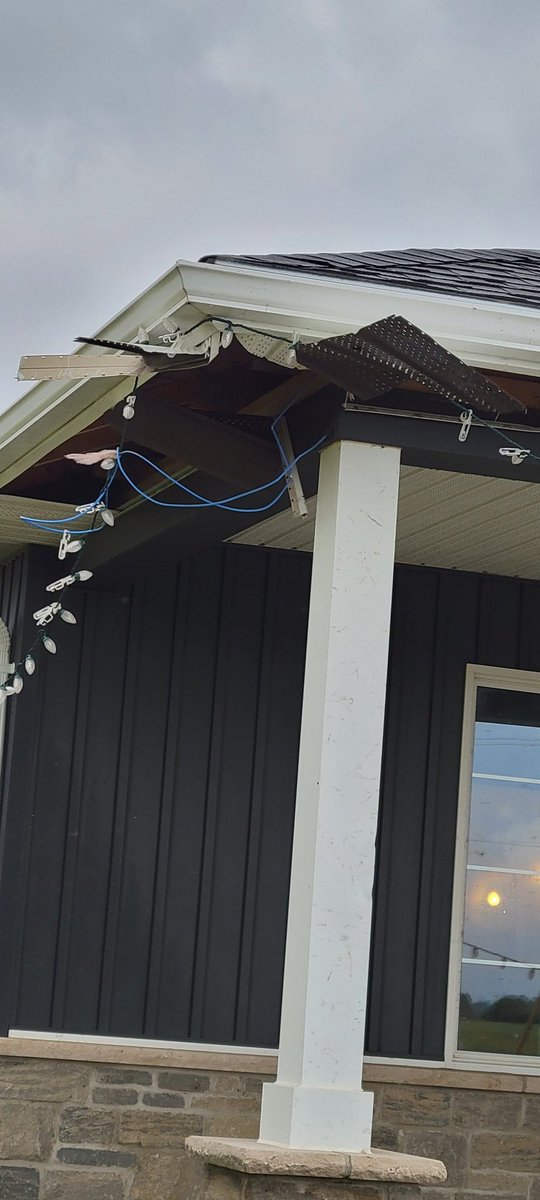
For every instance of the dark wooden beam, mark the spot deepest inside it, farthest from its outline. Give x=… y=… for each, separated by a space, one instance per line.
x=225 y=453
x=429 y=442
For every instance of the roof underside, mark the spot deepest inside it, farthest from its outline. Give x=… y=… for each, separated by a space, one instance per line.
x=510 y=276
x=462 y=522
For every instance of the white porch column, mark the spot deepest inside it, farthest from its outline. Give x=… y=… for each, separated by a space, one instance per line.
x=317 y=1101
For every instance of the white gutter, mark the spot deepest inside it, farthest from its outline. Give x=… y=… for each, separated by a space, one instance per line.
x=491 y=336
x=486 y=335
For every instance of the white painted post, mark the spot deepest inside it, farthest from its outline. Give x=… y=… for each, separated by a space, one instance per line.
x=317 y=1101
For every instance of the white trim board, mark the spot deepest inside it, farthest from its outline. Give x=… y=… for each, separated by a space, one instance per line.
x=151 y=1043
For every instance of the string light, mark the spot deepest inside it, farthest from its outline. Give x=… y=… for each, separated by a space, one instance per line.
x=128 y=411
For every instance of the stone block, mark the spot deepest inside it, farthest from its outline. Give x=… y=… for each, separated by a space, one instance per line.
x=43 y=1079
x=234 y=1125
x=110 y=1095
x=486 y=1110
x=223 y=1083
x=83 y=1185
x=183 y=1081
x=19 y=1183
x=449 y=1147
x=253 y=1084
x=164 y=1099
x=386 y=1137
x=506 y=1151
x=429 y=1107
x=93 y=1125
x=534 y=1193
x=531 y=1112
x=124 y=1076
x=487 y=1196
x=86 y=1157
x=211 y=1104
x=26 y=1130
x=157 y=1128
x=269 y=1187
x=167 y=1175
x=504 y=1182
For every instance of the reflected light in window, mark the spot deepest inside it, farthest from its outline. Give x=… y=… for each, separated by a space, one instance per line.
x=493 y=899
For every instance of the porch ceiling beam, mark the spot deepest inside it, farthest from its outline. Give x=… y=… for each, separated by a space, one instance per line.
x=228 y=454
x=433 y=442
x=16 y=532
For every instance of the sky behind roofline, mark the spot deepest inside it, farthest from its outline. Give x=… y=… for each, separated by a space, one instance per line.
x=155 y=132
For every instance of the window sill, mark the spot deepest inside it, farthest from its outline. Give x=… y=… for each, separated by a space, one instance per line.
x=466 y=1075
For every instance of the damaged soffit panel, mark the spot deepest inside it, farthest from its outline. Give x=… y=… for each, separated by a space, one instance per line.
x=391 y=353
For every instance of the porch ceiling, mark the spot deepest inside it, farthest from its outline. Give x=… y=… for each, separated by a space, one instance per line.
x=468 y=522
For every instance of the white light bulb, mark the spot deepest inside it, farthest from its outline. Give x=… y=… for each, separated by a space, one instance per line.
x=107 y=516
x=18 y=683
x=49 y=644
x=68 y=617
x=290 y=357
x=74 y=547
x=29 y=665
x=83 y=575
x=107 y=464
x=128 y=412
x=10 y=691
x=227 y=337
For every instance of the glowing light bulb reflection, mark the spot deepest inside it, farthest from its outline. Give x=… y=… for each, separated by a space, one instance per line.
x=493 y=899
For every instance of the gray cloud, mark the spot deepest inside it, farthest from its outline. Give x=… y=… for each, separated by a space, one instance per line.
x=134 y=135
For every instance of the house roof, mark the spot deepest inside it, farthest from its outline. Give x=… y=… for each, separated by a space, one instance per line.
x=511 y=276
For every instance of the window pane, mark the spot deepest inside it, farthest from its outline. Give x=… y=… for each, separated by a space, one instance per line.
x=499 y=1010
x=502 y=914
x=500 y=980
x=504 y=826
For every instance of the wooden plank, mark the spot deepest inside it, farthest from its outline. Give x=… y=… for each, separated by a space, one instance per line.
x=78 y=366
x=226 y=453
x=299 y=386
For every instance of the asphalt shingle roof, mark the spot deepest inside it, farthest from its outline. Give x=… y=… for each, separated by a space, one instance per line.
x=509 y=276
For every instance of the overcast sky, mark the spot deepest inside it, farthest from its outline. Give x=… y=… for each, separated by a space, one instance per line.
x=135 y=134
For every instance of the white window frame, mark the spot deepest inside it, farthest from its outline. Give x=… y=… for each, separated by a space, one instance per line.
x=508 y=680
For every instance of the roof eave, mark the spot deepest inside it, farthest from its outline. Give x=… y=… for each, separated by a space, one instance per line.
x=486 y=335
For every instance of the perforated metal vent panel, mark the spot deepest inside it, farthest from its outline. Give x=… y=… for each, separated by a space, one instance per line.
x=392 y=352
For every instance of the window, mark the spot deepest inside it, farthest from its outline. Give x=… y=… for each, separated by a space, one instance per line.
x=495 y=976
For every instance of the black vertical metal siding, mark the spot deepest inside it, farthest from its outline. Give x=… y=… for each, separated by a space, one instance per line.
x=441 y=621
x=150 y=781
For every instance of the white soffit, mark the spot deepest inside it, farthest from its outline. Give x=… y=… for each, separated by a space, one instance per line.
x=445 y=519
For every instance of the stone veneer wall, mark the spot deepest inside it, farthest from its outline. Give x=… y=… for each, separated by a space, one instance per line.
x=98 y=1131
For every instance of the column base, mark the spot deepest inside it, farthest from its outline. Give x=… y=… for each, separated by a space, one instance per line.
x=316 y=1118
x=258 y=1158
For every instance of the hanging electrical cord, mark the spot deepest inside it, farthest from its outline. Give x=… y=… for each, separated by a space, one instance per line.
x=73 y=542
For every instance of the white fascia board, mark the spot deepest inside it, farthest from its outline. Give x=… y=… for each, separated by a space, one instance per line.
x=50 y=413
x=491 y=336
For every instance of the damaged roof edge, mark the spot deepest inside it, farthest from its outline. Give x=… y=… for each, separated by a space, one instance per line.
x=485 y=334
x=50 y=413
